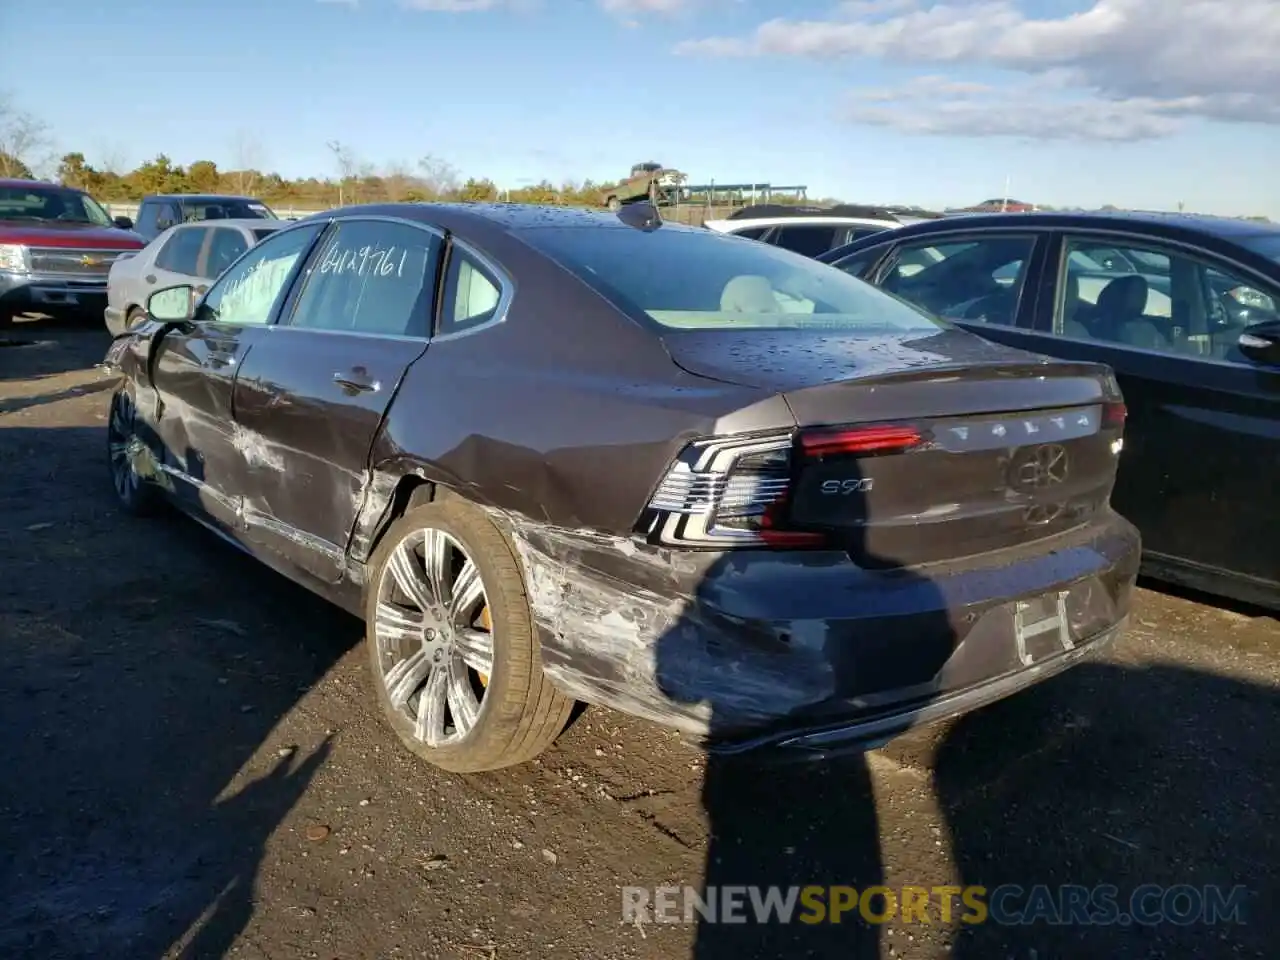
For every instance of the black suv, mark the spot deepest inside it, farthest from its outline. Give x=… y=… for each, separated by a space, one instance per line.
x=158 y=212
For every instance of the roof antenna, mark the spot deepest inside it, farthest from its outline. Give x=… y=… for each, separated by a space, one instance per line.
x=642 y=215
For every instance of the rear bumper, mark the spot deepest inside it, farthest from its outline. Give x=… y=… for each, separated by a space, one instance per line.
x=40 y=293
x=806 y=650
x=863 y=730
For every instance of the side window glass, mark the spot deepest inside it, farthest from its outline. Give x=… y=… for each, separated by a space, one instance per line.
x=809 y=241
x=858 y=264
x=224 y=249
x=1166 y=300
x=751 y=233
x=373 y=277
x=181 y=252
x=249 y=292
x=471 y=294
x=976 y=280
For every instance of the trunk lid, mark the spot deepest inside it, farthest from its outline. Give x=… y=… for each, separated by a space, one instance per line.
x=918 y=448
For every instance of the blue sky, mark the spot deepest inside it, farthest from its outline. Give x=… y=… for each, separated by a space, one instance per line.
x=1133 y=102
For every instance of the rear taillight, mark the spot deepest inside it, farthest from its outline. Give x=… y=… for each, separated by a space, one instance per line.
x=1113 y=415
x=736 y=492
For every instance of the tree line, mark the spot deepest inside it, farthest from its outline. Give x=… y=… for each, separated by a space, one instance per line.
x=26 y=151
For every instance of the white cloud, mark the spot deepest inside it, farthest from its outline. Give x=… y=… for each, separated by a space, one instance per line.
x=1138 y=67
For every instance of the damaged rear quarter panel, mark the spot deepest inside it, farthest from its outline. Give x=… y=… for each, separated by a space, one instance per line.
x=567 y=412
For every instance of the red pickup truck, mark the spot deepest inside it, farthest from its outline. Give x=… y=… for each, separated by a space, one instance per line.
x=57 y=245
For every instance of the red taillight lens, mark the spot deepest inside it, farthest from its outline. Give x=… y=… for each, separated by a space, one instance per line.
x=736 y=492
x=1114 y=414
x=860 y=440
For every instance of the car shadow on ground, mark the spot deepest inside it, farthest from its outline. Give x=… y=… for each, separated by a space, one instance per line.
x=37 y=349
x=144 y=668
x=1157 y=781
x=1109 y=774
x=794 y=824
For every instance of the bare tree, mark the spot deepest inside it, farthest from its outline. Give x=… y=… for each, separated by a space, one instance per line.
x=349 y=169
x=440 y=178
x=25 y=144
x=248 y=160
x=111 y=159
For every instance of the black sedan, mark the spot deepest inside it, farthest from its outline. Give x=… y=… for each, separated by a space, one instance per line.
x=552 y=455
x=1186 y=310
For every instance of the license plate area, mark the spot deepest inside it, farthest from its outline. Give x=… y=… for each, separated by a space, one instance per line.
x=1042 y=628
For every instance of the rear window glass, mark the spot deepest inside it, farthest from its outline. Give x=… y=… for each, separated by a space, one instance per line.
x=700 y=279
x=225 y=209
x=259 y=233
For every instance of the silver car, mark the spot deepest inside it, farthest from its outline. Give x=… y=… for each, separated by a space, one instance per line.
x=194 y=253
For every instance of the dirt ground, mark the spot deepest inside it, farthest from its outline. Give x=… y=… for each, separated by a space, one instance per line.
x=191 y=765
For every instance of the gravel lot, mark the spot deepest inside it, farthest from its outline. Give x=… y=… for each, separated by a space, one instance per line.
x=191 y=765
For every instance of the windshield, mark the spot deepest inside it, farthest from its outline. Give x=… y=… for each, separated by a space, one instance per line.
x=1267 y=244
x=700 y=279
x=37 y=202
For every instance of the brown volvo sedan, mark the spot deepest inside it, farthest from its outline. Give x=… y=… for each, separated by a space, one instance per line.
x=554 y=456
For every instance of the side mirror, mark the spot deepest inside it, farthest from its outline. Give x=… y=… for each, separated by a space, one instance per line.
x=173 y=304
x=124 y=223
x=1261 y=343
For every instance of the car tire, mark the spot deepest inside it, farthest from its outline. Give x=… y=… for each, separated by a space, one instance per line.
x=613 y=203
x=135 y=495
x=425 y=655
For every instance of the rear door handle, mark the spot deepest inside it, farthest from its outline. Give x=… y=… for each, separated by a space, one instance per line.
x=353 y=383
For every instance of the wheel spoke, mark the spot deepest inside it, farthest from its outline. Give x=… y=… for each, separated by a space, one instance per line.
x=431 y=705
x=118 y=425
x=395 y=624
x=404 y=679
x=475 y=649
x=435 y=558
x=409 y=577
x=462 y=698
x=468 y=590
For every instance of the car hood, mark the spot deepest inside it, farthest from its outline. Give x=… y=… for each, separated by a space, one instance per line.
x=52 y=233
x=827 y=377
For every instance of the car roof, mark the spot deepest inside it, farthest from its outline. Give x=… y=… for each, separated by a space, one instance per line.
x=200 y=197
x=760 y=211
x=22 y=182
x=1172 y=226
x=249 y=223
x=734 y=226
x=1199 y=223
x=508 y=218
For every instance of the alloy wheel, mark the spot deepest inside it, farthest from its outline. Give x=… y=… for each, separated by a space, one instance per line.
x=434 y=641
x=122 y=443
